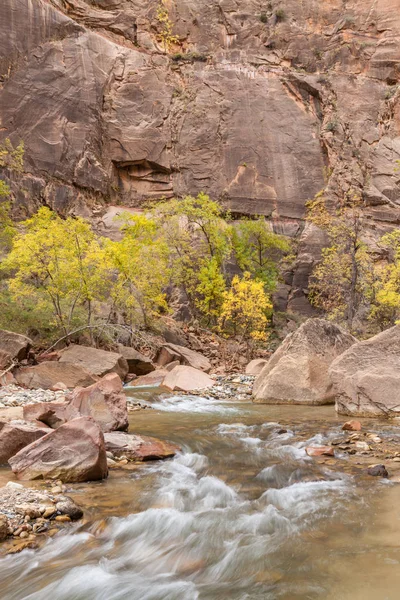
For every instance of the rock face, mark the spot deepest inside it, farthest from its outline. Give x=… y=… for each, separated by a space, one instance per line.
x=97 y=362
x=137 y=362
x=366 y=378
x=49 y=373
x=74 y=452
x=266 y=101
x=172 y=352
x=14 y=345
x=139 y=447
x=104 y=401
x=15 y=435
x=187 y=379
x=297 y=373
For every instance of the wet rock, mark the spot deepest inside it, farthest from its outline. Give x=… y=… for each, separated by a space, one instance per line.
x=297 y=373
x=172 y=352
x=138 y=447
x=320 y=451
x=48 y=373
x=366 y=377
x=3 y=527
x=15 y=435
x=352 y=426
x=256 y=366
x=362 y=446
x=66 y=506
x=104 y=401
x=378 y=471
x=74 y=452
x=95 y=361
x=187 y=379
x=138 y=363
x=15 y=345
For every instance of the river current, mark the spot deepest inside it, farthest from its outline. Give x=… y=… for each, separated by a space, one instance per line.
x=242 y=513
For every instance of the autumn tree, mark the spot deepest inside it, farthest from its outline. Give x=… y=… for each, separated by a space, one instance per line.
x=60 y=265
x=259 y=250
x=246 y=309
x=385 y=305
x=341 y=282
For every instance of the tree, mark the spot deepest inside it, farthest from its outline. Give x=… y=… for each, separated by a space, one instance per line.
x=385 y=308
x=166 y=36
x=245 y=309
x=259 y=250
x=341 y=282
x=141 y=262
x=60 y=264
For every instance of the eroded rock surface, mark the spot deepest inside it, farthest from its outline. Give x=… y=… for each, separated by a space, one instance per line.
x=49 y=373
x=297 y=373
x=366 y=377
x=95 y=361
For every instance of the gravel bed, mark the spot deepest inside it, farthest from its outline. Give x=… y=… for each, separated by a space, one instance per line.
x=13 y=395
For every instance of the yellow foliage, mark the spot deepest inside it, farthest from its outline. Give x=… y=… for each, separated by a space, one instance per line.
x=166 y=36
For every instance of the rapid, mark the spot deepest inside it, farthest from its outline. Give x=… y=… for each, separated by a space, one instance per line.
x=242 y=513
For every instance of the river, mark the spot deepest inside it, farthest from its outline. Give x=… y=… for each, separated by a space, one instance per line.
x=241 y=514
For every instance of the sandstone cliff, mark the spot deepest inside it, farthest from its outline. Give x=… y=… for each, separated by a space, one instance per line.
x=261 y=104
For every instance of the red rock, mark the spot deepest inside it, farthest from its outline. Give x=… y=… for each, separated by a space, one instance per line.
x=74 y=452
x=48 y=373
x=152 y=379
x=15 y=435
x=137 y=362
x=97 y=362
x=352 y=426
x=52 y=414
x=104 y=401
x=255 y=366
x=172 y=352
x=139 y=447
x=320 y=451
x=187 y=379
x=17 y=346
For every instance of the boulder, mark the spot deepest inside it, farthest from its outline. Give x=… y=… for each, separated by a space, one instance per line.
x=378 y=471
x=15 y=435
x=5 y=360
x=138 y=363
x=153 y=379
x=187 y=379
x=255 y=366
x=47 y=374
x=139 y=447
x=104 y=401
x=74 y=452
x=52 y=414
x=97 y=362
x=366 y=377
x=17 y=346
x=297 y=373
x=171 y=352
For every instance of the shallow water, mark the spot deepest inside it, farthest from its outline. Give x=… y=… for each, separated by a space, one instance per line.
x=241 y=514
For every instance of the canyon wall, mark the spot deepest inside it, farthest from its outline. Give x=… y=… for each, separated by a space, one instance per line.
x=260 y=104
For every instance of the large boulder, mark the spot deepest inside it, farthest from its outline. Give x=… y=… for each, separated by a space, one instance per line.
x=15 y=435
x=52 y=414
x=139 y=447
x=187 y=379
x=47 y=374
x=297 y=373
x=15 y=345
x=74 y=452
x=138 y=363
x=153 y=379
x=255 y=366
x=366 y=378
x=171 y=352
x=97 y=362
x=104 y=401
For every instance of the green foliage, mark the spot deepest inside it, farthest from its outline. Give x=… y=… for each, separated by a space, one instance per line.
x=342 y=281
x=259 y=250
x=280 y=14
x=245 y=309
x=264 y=17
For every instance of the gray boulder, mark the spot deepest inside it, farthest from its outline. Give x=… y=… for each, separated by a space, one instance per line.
x=366 y=378
x=297 y=373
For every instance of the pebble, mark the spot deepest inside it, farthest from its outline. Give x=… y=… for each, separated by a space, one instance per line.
x=13 y=395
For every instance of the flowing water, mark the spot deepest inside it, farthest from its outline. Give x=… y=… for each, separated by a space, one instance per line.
x=241 y=514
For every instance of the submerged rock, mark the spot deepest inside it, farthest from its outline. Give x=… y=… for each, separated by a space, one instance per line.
x=297 y=373
x=378 y=471
x=366 y=377
x=74 y=452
